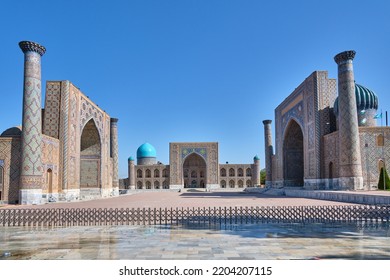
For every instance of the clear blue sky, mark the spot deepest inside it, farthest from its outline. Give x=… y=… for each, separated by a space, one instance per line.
x=175 y=71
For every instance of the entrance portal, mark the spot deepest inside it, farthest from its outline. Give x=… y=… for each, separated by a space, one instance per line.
x=194 y=171
x=90 y=150
x=293 y=155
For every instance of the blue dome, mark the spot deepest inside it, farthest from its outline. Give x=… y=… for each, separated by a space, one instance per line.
x=146 y=151
x=365 y=99
x=131 y=158
x=256 y=157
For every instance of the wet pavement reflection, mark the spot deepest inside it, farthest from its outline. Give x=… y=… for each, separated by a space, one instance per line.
x=199 y=241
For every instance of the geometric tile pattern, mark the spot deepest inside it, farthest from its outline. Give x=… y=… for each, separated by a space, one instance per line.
x=350 y=157
x=114 y=151
x=51 y=121
x=10 y=156
x=31 y=171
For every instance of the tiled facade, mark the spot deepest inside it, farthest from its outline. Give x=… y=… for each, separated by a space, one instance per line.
x=314 y=149
x=192 y=165
x=76 y=143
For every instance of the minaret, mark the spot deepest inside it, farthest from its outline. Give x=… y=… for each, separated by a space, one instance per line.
x=268 y=152
x=114 y=152
x=31 y=174
x=350 y=169
x=131 y=173
x=256 y=171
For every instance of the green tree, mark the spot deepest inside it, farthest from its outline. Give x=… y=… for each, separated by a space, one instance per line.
x=384 y=180
x=262 y=176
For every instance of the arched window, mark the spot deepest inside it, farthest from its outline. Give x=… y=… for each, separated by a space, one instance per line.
x=139 y=173
x=223 y=172
x=49 y=181
x=240 y=172
x=156 y=184
x=148 y=185
x=248 y=172
x=231 y=184
x=156 y=173
x=185 y=173
x=249 y=183
x=139 y=185
x=223 y=184
x=380 y=140
x=240 y=184
x=201 y=183
x=194 y=174
x=165 y=185
x=165 y=173
x=201 y=174
x=232 y=173
x=148 y=174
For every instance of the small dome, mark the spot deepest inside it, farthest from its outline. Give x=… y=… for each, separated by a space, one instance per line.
x=13 y=131
x=365 y=99
x=131 y=158
x=256 y=157
x=146 y=151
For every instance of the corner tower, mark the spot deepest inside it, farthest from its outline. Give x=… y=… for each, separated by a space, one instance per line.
x=31 y=176
x=268 y=152
x=350 y=169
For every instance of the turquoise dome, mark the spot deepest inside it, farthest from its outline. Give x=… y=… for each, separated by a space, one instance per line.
x=131 y=158
x=146 y=151
x=365 y=99
x=256 y=157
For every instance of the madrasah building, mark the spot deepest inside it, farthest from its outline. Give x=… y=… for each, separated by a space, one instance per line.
x=325 y=140
x=68 y=150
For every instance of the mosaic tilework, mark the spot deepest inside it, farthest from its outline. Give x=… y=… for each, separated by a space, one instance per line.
x=114 y=152
x=31 y=172
x=349 y=152
x=51 y=120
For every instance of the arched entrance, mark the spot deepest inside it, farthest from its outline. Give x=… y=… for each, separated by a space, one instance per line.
x=194 y=167
x=293 y=163
x=49 y=181
x=1 y=182
x=90 y=151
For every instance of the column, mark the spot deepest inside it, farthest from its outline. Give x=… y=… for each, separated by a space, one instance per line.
x=131 y=173
x=114 y=153
x=31 y=174
x=268 y=152
x=350 y=169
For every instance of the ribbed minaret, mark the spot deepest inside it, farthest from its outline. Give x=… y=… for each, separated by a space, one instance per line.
x=350 y=169
x=31 y=172
x=269 y=150
x=114 y=152
x=131 y=172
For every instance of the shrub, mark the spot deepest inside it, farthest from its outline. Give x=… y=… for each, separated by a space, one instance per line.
x=385 y=185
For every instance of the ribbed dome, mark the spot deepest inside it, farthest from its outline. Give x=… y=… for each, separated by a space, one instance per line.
x=146 y=151
x=365 y=99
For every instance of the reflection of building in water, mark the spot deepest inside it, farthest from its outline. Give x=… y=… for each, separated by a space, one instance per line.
x=324 y=140
x=66 y=151
x=192 y=165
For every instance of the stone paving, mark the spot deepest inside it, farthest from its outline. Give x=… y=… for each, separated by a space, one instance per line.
x=191 y=198
x=212 y=242
x=226 y=242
